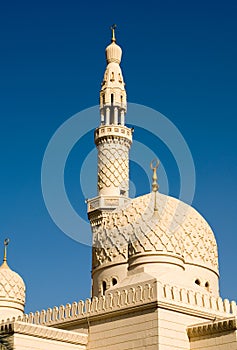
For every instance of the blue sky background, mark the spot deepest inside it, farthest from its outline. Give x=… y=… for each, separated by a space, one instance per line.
x=179 y=58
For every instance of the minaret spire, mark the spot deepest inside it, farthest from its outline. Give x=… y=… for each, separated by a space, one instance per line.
x=113 y=27
x=112 y=138
x=6 y=242
x=154 y=165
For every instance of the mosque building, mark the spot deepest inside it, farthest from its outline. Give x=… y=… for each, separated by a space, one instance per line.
x=155 y=276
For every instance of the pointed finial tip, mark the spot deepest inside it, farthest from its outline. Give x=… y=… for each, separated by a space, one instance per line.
x=113 y=27
x=6 y=242
x=154 y=165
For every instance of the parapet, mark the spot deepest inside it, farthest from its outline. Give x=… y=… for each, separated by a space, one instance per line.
x=153 y=294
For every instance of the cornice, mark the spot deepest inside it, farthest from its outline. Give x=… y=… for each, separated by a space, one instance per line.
x=220 y=326
x=17 y=327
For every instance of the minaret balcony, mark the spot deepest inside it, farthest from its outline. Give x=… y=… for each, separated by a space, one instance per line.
x=113 y=131
x=106 y=203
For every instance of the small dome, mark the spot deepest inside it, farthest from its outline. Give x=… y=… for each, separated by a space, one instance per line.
x=113 y=53
x=12 y=290
x=12 y=286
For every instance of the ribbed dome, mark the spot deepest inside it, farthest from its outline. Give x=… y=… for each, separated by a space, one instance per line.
x=113 y=53
x=12 y=286
x=177 y=229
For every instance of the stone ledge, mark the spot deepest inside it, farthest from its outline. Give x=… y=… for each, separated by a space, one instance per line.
x=43 y=332
x=215 y=327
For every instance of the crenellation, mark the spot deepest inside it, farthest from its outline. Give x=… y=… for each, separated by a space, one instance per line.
x=49 y=312
x=101 y=304
x=109 y=301
x=233 y=308
x=87 y=306
x=220 y=306
x=61 y=312
x=124 y=297
x=68 y=309
x=226 y=305
x=37 y=318
x=213 y=303
x=42 y=317
x=94 y=305
x=81 y=307
x=140 y=294
x=74 y=310
x=55 y=314
x=131 y=296
x=117 y=299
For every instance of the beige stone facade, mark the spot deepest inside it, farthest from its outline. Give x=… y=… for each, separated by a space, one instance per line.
x=155 y=276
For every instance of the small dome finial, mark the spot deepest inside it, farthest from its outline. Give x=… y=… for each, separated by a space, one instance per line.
x=6 y=242
x=113 y=27
x=154 y=165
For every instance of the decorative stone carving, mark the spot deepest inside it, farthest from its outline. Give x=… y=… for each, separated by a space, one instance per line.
x=178 y=229
x=12 y=286
x=113 y=165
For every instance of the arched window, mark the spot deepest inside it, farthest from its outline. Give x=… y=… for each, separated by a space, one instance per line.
x=114 y=281
x=112 y=98
x=198 y=282
x=103 y=287
x=112 y=76
x=207 y=285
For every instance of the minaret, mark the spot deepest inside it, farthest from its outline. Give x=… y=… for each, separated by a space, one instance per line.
x=112 y=138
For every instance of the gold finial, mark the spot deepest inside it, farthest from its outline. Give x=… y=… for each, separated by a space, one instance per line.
x=154 y=165
x=6 y=242
x=113 y=27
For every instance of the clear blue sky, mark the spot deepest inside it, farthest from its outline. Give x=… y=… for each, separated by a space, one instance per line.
x=179 y=58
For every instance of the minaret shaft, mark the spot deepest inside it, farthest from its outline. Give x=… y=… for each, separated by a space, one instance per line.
x=112 y=138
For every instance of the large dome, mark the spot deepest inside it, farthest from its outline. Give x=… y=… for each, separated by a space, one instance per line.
x=173 y=243
x=176 y=228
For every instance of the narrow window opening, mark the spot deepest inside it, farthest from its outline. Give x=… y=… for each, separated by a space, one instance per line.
x=198 y=282
x=103 y=287
x=114 y=281
x=207 y=285
x=112 y=77
x=112 y=98
x=103 y=99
